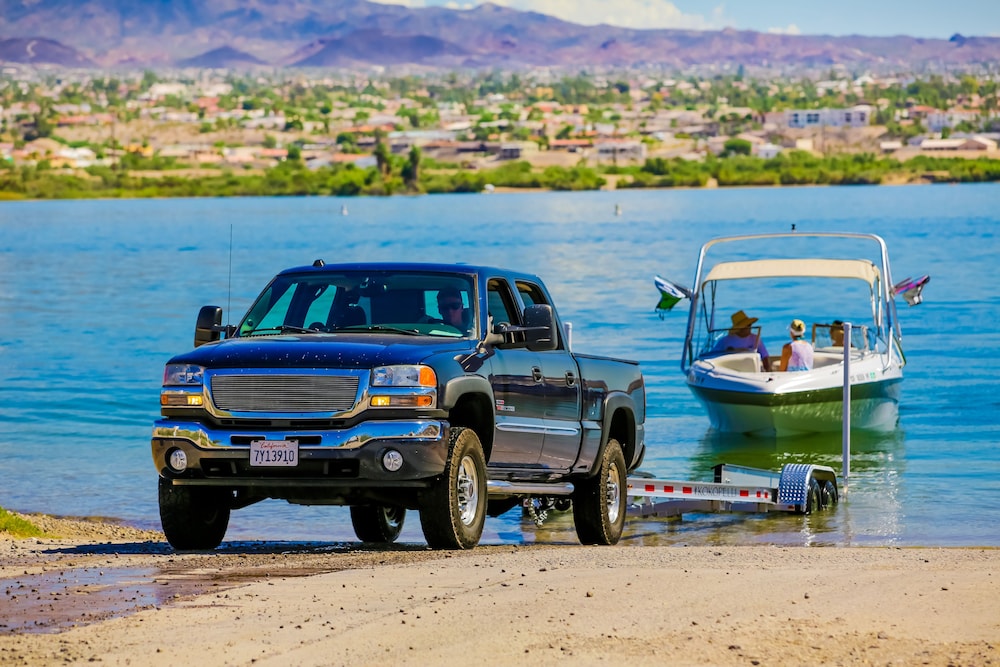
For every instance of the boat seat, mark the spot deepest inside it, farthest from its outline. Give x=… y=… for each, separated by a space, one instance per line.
x=741 y=362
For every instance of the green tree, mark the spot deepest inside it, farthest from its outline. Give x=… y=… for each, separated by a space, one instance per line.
x=382 y=157
x=411 y=170
x=736 y=146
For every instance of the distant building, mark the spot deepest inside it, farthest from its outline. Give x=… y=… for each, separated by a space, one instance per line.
x=767 y=151
x=570 y=145
x=938 y=120
x=613 y=151
x=959 y=144
x=857 y=116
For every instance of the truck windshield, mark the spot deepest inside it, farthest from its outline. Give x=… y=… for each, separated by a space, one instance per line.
x=430 y=304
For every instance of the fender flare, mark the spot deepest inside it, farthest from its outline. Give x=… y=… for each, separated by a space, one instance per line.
x=614 y=402
x=457 y=387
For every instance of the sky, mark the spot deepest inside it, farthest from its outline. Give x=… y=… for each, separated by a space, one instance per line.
x=916 y=18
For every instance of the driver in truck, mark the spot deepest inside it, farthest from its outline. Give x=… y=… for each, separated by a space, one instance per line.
x=451 y=307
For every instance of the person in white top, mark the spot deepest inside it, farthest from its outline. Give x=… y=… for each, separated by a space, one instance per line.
x=796 y=355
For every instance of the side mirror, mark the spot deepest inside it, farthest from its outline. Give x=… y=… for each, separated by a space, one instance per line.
x=208 y=328
x=539 y=328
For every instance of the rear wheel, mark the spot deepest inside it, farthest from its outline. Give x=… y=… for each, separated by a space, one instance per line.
x=828 y=494
x=380 y=524
x=813 y=496
x=599 y=502
x=193 y=517
x=453 y=511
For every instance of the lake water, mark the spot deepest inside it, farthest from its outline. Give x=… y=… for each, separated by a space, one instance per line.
x=95 y=296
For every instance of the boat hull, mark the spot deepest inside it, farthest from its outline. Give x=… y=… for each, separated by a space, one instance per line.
x=782 y=404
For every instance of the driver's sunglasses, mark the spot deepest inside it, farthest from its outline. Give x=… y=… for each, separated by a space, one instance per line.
x=452 y=306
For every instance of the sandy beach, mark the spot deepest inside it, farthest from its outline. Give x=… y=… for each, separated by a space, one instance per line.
x=119 y=596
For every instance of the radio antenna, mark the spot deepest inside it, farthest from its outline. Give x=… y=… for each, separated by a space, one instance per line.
x=229 y=299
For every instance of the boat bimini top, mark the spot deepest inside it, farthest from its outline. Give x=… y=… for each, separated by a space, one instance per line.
x=861 y=269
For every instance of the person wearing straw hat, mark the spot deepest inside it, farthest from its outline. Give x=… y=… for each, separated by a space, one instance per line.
x=796 y=355
x=741 y=337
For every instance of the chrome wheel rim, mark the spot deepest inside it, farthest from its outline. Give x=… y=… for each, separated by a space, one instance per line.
x=613 y=493
x=467 y=487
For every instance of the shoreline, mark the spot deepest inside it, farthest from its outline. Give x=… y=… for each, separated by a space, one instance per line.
x=121 y=592
x=914 y=180
x=111 y=593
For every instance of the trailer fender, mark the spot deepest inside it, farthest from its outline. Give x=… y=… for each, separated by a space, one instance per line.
x=805 y=486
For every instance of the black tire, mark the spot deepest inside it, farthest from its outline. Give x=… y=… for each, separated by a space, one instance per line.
x=380 y=524
x=813 y=497
x=599 y=502
x=194 y=518
x=453 y=511
x=828 y=495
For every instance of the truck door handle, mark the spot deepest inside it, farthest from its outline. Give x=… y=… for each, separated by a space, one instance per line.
x=570 y=378
x=536 y=373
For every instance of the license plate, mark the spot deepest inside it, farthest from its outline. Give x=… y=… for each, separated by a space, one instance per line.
x=267 y=453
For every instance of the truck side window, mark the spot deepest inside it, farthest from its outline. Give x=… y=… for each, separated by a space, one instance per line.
x=531 y=294
x=500 y=301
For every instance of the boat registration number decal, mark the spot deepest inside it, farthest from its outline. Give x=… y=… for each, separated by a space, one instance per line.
x=269 y=453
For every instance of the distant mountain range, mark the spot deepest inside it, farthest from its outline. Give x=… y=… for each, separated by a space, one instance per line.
x=355 y=33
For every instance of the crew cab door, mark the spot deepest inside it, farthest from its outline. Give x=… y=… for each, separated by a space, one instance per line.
x=561 y=390
x=518 y=390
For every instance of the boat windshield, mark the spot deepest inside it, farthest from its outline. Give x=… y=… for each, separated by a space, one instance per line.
x=403 y=302
x=721 y=341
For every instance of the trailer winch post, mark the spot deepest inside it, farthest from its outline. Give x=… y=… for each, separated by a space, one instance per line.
x=846 y=435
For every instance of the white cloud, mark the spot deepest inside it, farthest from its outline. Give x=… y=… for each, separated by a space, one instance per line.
x=790 y=29
x=621 y=13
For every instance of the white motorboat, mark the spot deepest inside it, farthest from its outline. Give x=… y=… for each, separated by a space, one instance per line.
x=780 y=277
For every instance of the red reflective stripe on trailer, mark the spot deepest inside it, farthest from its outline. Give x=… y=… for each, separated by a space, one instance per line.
x=745 y=493
x=668 y=489
x=650 y=487
x=687 y=489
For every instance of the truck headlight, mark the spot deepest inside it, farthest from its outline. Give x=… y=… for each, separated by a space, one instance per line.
x=404 y=376
x=403 y=386
x=190 y=380
x=183 y=375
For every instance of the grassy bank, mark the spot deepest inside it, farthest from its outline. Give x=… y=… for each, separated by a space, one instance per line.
x=15 y=526
x=294 y=178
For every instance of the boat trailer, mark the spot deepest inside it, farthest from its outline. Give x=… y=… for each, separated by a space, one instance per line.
x=801 y=488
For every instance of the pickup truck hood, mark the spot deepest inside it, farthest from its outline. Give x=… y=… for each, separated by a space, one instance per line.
x=321 y=351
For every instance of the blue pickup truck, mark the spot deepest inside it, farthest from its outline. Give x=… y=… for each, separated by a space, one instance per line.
x=443 y=388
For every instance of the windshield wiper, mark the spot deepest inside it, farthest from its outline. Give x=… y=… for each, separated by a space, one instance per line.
x=380 y=327
x=284 y=328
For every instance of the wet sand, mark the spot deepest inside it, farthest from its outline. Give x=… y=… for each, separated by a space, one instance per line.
x=118 y=596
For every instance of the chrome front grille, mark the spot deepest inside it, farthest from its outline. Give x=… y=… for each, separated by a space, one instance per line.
x=284 y=393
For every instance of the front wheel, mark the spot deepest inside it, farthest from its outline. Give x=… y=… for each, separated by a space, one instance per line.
x=380 y=524
x=193 y=517
x=453 y=511
x=599 y=502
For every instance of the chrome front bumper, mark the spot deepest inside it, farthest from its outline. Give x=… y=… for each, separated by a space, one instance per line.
x=349 y=456
x=203 y=437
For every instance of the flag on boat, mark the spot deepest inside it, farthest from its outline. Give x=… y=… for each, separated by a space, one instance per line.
x=911 y=290
x=670 y=293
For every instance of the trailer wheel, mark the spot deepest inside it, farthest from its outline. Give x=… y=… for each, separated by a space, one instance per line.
x=599 y=502
x=813 y=497
x=379 y=524
x=193 y=517
x=828 y=494
x=453 y=511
